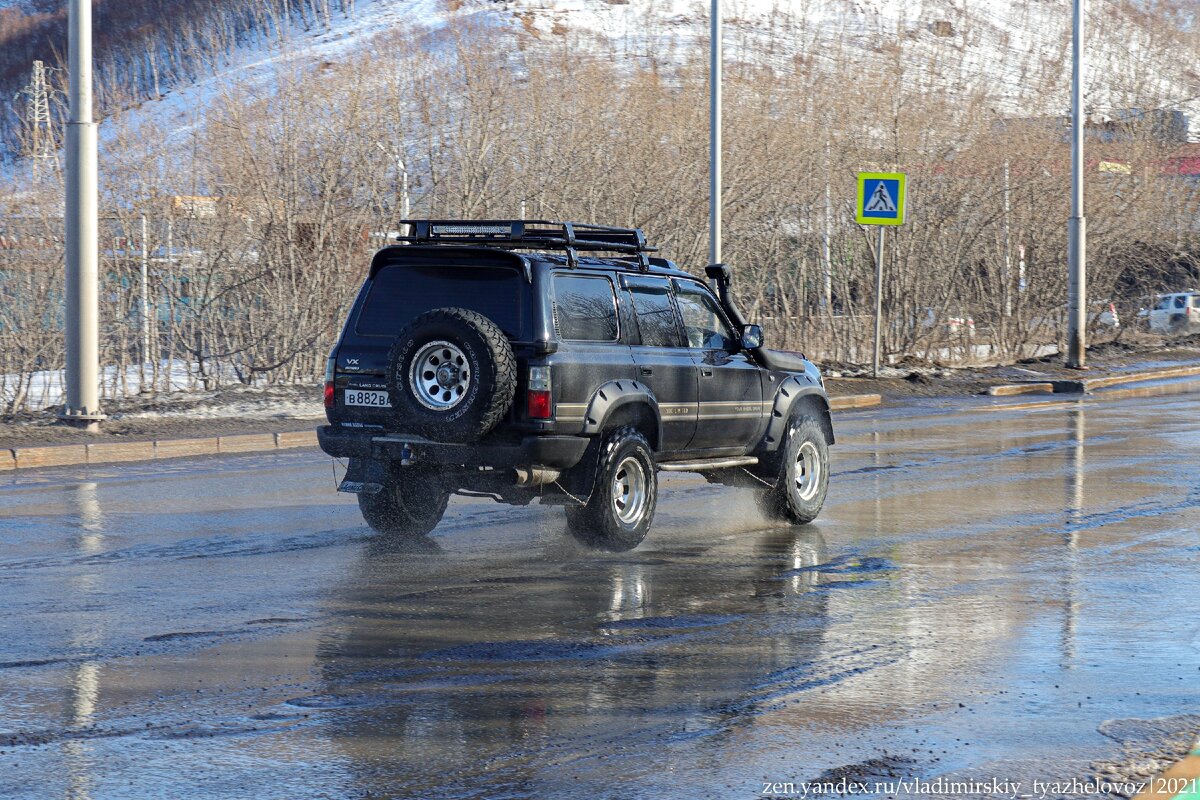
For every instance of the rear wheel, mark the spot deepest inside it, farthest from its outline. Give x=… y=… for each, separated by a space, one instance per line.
x=621 y=507
x=803 y=474
x=409 y=505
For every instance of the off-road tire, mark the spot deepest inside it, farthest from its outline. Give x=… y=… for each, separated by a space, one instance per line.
x=788 y=500
x=487 y=355
x=602 y=524
x=409 y=505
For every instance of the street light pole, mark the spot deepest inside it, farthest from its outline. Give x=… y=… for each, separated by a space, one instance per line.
x=714 y=146
x=82 y=407
x=146 y=378
x=1077 y=228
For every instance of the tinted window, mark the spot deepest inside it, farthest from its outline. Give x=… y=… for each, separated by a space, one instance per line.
x=585 y=309
x=655 y=315
x=403 y=291
x=702 y=319
x=1180 y=301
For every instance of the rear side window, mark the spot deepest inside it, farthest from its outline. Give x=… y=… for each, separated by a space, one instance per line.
x=401 y=292
x=585 y=308
x=1181 y=301
x=655 y=315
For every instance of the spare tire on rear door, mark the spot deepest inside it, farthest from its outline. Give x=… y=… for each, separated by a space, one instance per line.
x=451 y=375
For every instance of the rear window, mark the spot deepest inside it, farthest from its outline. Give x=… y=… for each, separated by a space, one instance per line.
x=401 y=292
x=585 y=309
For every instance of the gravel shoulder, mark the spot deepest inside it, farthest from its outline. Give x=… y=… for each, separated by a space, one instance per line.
x=179 y=415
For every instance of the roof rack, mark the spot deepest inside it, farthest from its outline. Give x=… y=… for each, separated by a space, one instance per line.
x=531 y=234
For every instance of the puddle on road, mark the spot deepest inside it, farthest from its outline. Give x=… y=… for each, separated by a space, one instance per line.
x=984 y=605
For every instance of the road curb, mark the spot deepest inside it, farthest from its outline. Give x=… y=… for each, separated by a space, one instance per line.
x=1085 y=385
x=74 y=455
x=847 y=402
x=1182 y=781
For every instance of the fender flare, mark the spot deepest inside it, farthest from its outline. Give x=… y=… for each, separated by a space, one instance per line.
x=614 y=395
x=610 y=398
x=790 y=392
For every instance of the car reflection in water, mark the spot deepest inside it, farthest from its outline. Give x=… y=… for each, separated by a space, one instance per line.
x=447 y=685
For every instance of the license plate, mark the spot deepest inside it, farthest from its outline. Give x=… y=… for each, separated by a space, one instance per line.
x=366 y=397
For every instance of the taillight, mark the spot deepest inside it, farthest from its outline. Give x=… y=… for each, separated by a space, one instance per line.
x=538 y=402
x=330 y=365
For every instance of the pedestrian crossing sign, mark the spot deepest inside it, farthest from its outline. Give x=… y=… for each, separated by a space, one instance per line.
x=880 y=198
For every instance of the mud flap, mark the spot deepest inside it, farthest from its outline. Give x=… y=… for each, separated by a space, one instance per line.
x=578 y=482
x=364 y=476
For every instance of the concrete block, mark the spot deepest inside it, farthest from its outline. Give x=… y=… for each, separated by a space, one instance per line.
x=296 y=439
x=854 y=401
x=1007 y=390
x=182 y=448
x=111 y=452
x=64 y=455
x=246 y=443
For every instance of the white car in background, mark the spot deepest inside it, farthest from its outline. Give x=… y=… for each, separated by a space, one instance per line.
x=1178 y=312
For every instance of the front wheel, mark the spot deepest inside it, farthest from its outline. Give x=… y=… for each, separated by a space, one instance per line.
x=803 y=477
x=408 y=506
x=618 y=514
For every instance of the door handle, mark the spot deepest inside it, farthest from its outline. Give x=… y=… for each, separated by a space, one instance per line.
x=706 y=372
x=646 y=370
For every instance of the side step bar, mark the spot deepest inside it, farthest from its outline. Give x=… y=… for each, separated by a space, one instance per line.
x=706 y=464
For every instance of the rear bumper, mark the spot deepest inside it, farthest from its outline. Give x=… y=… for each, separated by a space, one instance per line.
x=559 y=452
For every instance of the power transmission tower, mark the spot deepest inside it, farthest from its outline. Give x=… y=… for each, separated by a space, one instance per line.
x=40 y=146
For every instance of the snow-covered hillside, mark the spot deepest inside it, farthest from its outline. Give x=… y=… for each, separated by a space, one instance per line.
x=1018 y=51
x=1018 y=47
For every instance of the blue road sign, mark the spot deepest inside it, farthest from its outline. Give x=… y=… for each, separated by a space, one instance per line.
x=880 y=198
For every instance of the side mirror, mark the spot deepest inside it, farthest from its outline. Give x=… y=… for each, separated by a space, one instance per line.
x=752 y=337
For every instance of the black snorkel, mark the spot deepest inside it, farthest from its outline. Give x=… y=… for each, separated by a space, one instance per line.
x=722 y=275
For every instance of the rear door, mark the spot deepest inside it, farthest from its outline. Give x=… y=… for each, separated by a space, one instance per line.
x=1161 y=313
x=731 y=392
x=663 y=363
x=399 y=292
x=592 y=347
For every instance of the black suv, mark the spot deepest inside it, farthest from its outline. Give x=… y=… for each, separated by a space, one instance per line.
x=510 y=359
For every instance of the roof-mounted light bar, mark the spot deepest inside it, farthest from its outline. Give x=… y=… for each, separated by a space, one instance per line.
x=470 y=230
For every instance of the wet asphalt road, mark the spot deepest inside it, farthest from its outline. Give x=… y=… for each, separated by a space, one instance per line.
x=986 y=592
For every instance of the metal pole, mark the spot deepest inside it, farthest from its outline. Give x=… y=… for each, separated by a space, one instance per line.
x=714 y=147
x=405 y=206
x=145 y=387
x=1077 y=229
x=82 y=307
x=826 y=239
x=1006 y=280
x=878 y=301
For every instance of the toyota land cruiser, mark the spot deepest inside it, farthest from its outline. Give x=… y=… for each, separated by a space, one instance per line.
x=559 y=361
